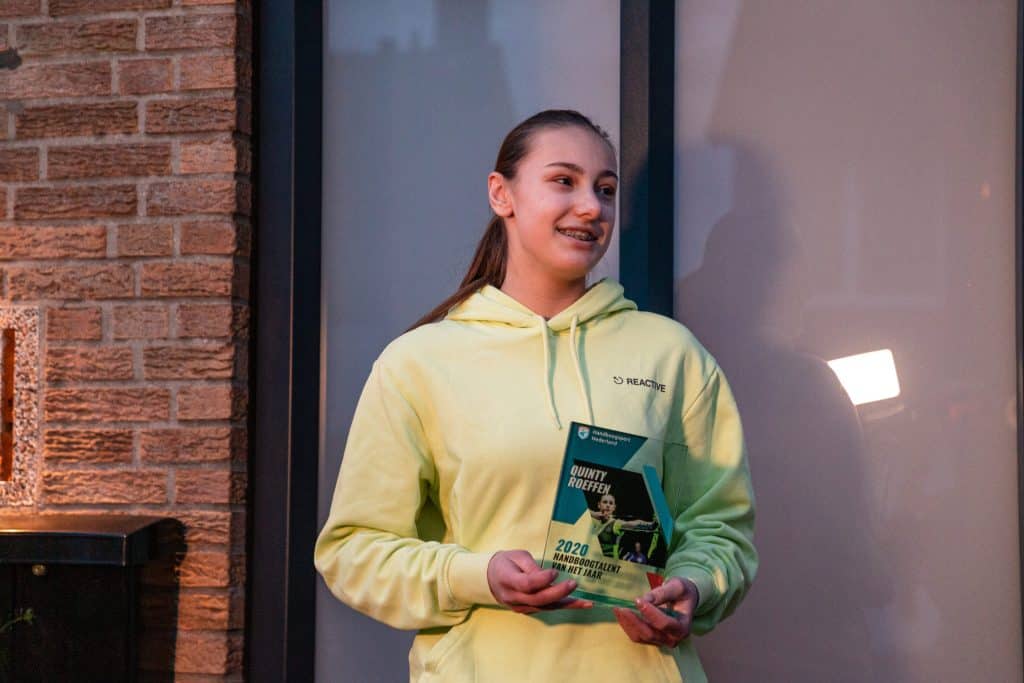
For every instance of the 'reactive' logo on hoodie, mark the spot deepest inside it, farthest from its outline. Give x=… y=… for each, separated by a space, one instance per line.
x=640 y=382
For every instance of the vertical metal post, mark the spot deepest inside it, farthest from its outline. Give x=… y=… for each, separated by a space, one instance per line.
x=647 y=111
x=284 y=411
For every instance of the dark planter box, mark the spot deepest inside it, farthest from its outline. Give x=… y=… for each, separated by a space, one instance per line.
x=80 y=575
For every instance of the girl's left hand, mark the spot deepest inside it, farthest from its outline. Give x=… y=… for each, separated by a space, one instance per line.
x=654 y=626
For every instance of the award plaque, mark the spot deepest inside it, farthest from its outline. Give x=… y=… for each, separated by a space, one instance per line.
x=611 y=526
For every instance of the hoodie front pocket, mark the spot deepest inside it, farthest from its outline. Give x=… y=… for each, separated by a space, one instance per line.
x=439 y=653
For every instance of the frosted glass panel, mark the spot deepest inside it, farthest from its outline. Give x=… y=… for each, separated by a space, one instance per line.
x=417 y=96
x=845 y=234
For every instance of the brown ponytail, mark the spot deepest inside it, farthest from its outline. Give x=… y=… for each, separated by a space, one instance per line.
x=488 y=266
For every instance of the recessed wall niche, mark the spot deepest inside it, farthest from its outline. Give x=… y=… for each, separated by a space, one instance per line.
x=19 y=405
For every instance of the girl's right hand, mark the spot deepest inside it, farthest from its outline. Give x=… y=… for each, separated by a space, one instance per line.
x=517 y=582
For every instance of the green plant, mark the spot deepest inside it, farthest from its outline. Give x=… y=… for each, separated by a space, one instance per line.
x=26 y=616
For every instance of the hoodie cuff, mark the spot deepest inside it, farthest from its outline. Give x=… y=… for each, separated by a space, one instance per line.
x=467 y=579
x=707 y=591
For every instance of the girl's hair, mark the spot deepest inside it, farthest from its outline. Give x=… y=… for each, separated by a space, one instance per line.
x=488 y=266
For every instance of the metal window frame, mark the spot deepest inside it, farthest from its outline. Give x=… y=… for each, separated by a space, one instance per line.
x=280 y=624
x=286 y=369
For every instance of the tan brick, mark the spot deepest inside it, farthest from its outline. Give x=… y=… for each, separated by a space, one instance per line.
x=210 y=609
x=209 y=156
x=207 y=569
x=191 y=609
x=145 y=240
x=141 y=322
x=19 y=163
x=70 y=282
x=61 y=37
x=188 y=279
x=177 y=198
x=189 y=362
x=67 y=120
x=202 y=444
x=191 y=31
x=75 y=201
x=145 y=76
x=20 y=8
x=110 y=487
x=38 y=242
x=192 y=115
x=75 y=79
x=213 y=237
x=69 y=364
x=66 y=7
x=88 y=446
x=109 y=161
x=212 y=402
x=209 y=486
x=202 y=652
x=215 y=528
x=97 y=405
x=74 y=324
x=215 y=2
x=212 y=321
x=208 y=72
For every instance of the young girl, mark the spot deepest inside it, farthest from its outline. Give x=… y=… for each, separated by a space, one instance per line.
x=449 y=474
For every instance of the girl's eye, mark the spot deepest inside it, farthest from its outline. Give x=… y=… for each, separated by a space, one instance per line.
x=563 y=180
x=608 y=190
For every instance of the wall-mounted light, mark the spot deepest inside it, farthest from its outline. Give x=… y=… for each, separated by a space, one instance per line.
x=867 y=377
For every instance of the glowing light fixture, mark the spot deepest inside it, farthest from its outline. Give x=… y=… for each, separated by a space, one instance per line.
x=867 y=377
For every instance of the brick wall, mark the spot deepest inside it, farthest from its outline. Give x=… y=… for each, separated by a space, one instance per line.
x=124 y=202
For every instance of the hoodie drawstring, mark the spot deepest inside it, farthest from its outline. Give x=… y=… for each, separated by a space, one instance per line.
x=579 y=371
x=548 y=389
x=544 y=330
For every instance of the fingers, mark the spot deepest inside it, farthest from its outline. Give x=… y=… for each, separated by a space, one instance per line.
x=659 y=621
x=571 y=603
x=519 y=583
x=565 y=603
x=546 y=596
x=532 y=581
x=637 y=630
x=652 y=625
x=670 y=591
x=677 y=595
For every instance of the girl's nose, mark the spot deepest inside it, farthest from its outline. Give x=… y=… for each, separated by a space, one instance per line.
x=588 y=205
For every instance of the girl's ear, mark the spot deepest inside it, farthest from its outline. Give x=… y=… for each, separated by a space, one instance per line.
x=498 y=194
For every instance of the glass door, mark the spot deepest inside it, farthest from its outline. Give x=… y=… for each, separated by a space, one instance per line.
x=417 y=97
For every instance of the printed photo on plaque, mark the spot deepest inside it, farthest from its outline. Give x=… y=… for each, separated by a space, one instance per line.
x=611 y=527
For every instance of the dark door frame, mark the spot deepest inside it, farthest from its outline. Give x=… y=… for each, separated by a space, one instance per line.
x=286 y=388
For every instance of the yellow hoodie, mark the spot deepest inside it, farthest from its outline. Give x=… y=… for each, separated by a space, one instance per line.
x=454 y=453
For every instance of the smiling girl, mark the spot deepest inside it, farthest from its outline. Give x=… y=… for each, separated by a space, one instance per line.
x=452 y=461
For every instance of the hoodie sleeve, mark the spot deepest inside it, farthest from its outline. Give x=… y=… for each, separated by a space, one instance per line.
x=369 y=551
x=708 y=484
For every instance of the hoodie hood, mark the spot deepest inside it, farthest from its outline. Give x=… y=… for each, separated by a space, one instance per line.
x=491 y=305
